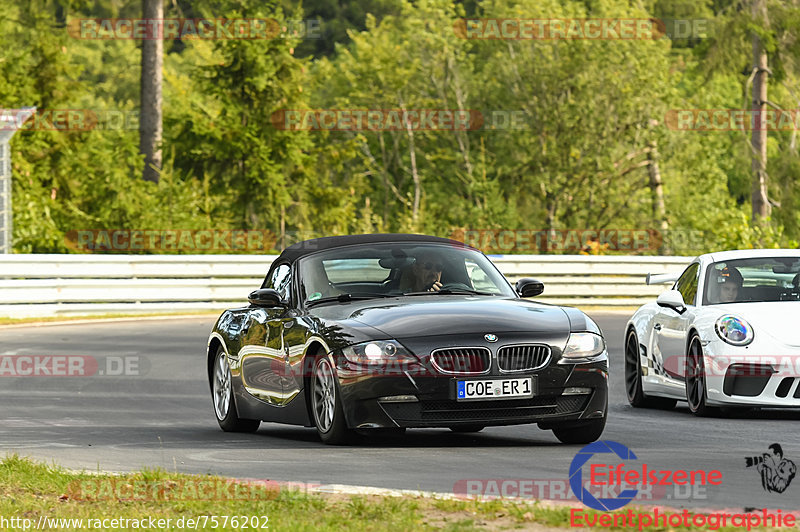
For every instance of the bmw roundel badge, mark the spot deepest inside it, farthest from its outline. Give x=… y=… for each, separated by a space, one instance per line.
x=490 y=337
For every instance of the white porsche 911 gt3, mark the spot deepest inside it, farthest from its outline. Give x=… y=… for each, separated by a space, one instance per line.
x=726 y=335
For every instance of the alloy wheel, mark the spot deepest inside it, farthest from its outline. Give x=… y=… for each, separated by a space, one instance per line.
x=222 y=386
x=695 y=378
x=324 y=395
x=632 y=372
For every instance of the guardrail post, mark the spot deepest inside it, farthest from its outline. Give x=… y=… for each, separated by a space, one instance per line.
x=10 y=121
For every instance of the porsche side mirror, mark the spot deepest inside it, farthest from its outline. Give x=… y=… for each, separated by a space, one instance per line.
x=266 y=297
x=528 y=287
x=672 y=299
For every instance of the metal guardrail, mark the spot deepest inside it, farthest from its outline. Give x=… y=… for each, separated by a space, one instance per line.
x=59 y=285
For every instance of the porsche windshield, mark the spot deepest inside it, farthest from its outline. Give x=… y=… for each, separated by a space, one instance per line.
x=398 y=268
x=752 y=280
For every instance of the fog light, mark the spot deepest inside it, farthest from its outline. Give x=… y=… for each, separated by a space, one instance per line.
x=576 y=391
x=399 y=399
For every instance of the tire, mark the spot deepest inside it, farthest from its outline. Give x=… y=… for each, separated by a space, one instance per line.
x=326 y=404
x=584 y=432
x=466 y=429
x=633 y=378
x=696 y=380
x=222 y=396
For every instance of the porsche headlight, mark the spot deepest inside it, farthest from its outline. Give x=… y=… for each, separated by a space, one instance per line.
x=377 y=352
x=733 y=330
x=584 y=345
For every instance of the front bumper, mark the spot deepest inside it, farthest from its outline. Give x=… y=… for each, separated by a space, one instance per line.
x=745 y=380
x=563 y=393
x=764 y=373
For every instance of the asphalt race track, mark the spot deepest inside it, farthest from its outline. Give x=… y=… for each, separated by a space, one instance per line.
x=148 y=404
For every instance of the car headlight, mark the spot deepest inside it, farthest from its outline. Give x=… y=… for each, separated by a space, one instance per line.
x=584 y=345
x=733 y=330
x=377 y=352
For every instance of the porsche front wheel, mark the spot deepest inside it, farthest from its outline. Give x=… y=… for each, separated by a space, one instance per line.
x=696 y=380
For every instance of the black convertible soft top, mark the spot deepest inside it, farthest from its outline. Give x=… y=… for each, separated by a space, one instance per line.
x=306 y=247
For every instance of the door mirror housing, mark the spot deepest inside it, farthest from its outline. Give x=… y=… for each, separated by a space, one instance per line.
x=266 y=297
x=528 y=287
x=672 y=299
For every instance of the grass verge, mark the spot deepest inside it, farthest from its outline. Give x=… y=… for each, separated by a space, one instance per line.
x=49 y=496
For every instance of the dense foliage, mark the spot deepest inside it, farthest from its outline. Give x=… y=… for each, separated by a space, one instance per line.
x=587 y=120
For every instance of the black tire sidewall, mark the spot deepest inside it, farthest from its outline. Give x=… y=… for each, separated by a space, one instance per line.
x=588 y=432
x=701 y=409
x=638 y=398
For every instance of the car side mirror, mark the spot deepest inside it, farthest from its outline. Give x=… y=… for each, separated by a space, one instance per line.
x=528 y=287
x=266 y=297
x=672 y=299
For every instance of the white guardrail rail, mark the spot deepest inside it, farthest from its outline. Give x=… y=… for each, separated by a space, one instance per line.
x=61 y=285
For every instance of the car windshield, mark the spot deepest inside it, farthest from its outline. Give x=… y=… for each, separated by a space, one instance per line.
x=753 y=280
x=380 y=270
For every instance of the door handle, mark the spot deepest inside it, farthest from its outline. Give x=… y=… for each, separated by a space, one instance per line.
x=657 y=326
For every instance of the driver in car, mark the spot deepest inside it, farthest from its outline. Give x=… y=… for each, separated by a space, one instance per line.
x=424 y=274
x=730 y=282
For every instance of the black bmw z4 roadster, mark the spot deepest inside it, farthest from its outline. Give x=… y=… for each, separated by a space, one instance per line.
x=385 y=332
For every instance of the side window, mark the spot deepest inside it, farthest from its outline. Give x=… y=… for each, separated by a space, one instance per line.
x=687 y=284
x=281 y=280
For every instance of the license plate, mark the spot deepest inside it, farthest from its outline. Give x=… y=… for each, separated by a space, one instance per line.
x=494 y=389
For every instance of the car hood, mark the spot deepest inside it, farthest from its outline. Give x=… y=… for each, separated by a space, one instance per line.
x=777 y=319
x=435 y=315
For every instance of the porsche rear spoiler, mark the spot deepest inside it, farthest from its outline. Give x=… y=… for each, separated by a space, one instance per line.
x=662 y=278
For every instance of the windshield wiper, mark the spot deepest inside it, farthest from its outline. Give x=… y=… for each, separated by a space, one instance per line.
x=451 y=291
x=344 y=298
